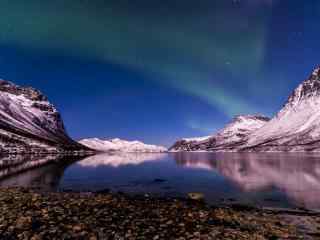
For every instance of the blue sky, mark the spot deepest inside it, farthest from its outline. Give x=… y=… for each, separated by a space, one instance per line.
x=158 y=70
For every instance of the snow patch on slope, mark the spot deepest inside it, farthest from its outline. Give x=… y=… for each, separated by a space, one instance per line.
x=240 y=127
x=197 y=139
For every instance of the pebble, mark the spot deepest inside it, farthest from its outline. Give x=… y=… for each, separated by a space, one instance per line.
x=196 y=196
x=26 y=214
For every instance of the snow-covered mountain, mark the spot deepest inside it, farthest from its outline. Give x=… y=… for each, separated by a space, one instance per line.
x=297 y=126
x=229 y=138
x=30 y=124
x=119 y=145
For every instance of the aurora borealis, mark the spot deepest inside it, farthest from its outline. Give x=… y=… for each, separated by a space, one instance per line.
x=158 y=70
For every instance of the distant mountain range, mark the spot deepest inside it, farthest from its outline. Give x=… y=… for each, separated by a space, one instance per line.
x=29 y=123
x=118 y=145
x=296 y=127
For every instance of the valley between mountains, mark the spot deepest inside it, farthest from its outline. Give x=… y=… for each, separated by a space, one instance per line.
x=29 y=123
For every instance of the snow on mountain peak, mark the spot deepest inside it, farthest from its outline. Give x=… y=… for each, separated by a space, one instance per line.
x=28 y=92
x=28 y=121
x=229 y=137
x=244 y=123
x=307 y=89
x=246 y=118
x=119 y=145
x=28 y=110
x=196 y=139
x=296 y=126
x=316 y=73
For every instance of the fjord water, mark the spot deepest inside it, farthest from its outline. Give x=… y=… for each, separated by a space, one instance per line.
x=264 y=179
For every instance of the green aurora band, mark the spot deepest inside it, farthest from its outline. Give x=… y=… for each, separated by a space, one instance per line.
x=180 y=42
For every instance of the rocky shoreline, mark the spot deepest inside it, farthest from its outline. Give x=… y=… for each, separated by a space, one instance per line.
x=29 y=214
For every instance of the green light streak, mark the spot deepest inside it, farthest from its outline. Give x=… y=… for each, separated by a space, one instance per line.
x=181 y=47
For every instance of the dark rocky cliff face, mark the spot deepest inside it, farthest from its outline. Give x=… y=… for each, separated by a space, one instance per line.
x=29 y=123
x=28 y=92
x=185 y=145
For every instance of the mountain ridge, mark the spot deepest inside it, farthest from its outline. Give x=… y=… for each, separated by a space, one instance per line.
x=119 y=145
x=296 y=127
x=232 y=135
x=29 y=123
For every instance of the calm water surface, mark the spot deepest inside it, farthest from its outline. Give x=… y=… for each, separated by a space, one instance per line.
x=271 y=180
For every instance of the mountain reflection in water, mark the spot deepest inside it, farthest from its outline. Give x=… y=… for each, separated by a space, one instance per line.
x=296 y=174
x=41 y=172
x=287 y=179
x=120 y=159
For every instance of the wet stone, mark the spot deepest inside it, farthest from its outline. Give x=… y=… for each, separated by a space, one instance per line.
x=196 y=196
x=44 y=216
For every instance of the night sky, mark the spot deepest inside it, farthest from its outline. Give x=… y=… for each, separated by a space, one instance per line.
x=158 y=70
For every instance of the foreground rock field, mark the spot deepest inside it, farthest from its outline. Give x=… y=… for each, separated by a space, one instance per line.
x=26 y=214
